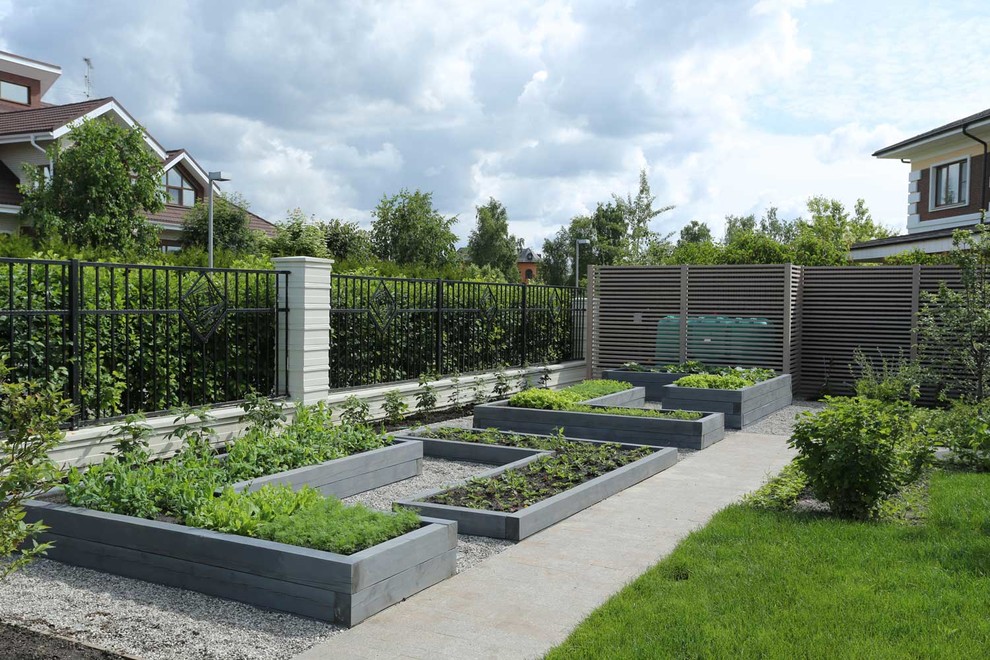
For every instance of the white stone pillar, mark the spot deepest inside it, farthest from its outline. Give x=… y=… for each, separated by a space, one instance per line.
x=307 y=335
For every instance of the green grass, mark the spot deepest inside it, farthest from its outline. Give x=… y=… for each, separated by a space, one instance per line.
x=763 y=584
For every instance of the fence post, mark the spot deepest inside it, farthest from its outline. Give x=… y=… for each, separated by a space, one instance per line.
x=785 y=357
x=75 y=383
x=915 y=307
x=524 y=343
x=304 y=339
x=590 y=321
x=439 y=326
x=683 y=320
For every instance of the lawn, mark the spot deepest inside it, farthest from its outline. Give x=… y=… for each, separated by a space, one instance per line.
x=784 y=585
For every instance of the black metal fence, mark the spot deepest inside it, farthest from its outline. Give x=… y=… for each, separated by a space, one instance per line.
x=124 y=338
x=385 y=329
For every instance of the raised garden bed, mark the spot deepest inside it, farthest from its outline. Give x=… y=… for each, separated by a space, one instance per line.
x=654 y=431
x=741 y=407
x=343 y=477
x=652 y=382
x=345 y=589
x=522 y=522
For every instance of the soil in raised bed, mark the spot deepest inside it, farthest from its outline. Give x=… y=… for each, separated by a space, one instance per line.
x=572 y=465
x=17 y=643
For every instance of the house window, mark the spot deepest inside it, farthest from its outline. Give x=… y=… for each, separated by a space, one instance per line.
x=529 y=274
x=951 y=183
x=14 y=93
x=178 y=189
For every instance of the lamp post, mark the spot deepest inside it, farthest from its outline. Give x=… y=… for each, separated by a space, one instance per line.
x=213 y=176
x=577 y=259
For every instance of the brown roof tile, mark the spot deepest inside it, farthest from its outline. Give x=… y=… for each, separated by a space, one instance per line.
x=42 y=120
x=9 y=194
x=173 y=215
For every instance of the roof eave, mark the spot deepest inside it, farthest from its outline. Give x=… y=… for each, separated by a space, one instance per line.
x=907 y=147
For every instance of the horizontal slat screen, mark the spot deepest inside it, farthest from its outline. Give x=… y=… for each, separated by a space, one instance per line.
x=807 y=321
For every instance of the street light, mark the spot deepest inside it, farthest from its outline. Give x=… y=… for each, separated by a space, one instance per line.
x=577 y=258
x=213 y=176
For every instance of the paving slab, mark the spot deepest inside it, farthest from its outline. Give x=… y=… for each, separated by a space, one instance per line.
x=524 y=601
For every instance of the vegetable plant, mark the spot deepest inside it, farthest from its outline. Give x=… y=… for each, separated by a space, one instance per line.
x=354 y=410
x=395 y=407
x=426 y=397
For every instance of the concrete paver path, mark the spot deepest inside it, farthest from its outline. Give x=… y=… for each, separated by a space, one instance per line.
x=524 y=601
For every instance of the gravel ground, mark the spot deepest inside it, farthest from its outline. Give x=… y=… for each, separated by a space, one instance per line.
x=437 y=473
x=782 y=421
x=148 y=620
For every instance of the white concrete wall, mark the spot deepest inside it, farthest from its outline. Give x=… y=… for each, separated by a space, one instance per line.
x=90 y=445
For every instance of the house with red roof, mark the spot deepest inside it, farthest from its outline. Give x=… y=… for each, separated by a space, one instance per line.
x=28 y=125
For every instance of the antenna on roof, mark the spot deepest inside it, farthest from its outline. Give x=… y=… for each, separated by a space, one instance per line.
x=88 y=78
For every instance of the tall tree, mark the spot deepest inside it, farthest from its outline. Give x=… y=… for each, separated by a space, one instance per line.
x=103 y=184
x=407 y=230
x=695 y=232
x=738 y=226
x=638 y=213
x=490 y=243
x=298 y=236
x=230 y=225
x=346 y=241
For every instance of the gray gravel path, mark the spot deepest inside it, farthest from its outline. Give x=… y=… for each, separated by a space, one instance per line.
x=782 y=421
x=148 y=620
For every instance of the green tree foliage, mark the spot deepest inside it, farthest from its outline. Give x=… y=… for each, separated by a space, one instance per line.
x=104 y=182
x=346 y=241
x=490 y=243
x=695 y=232
x=31 y=415
x=954 y=324
x=298 y=236
x=407 y=229
x=638 y=213
x=230 y=225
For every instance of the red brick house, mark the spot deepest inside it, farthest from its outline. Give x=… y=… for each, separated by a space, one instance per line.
x=528 y=263
x=28 y=125
x=947 y=186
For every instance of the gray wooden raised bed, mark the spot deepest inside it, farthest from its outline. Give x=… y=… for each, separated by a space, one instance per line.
x=474 y=452
x=343 y=477
x=653 y=431
x=322 y=585
x=632 y=398
x=651 y=381
x=740 y=407
x=525 y=522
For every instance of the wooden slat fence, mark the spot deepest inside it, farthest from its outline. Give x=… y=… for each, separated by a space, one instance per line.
x=806 y=321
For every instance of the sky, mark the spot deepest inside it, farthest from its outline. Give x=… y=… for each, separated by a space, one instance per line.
x=730 y=106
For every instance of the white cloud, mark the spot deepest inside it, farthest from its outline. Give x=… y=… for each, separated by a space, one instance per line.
x=548 y=106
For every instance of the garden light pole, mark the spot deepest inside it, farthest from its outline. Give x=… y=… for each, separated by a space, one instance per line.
x=578 y=242
x=213 y=176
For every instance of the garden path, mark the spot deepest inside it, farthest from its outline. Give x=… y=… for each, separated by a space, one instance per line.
x=524 y=601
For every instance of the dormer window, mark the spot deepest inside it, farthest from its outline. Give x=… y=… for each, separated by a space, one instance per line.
x=14 y=93
x=178 y=189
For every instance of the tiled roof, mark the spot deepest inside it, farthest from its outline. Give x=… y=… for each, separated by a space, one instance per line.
x=951 y=126
x=43 y=120
x=9 y=194
x=173 y=215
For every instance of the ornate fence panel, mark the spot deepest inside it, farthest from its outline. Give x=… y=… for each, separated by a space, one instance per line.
x=126 y=338
x=385 y=329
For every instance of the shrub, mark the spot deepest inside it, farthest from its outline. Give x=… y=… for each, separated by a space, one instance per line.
x=426 y=397
x=893 y=380
x=857 y=452
x=714 y=382
x=354 y=410
x=395 y=407
x=781 y=492
x=330 y=526
x=31 y=415
x=965 y=429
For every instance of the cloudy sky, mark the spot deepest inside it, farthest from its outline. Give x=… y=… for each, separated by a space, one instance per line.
x=729 y=105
